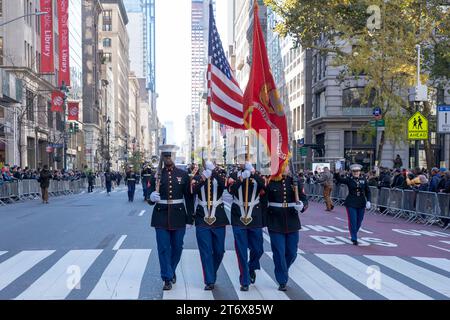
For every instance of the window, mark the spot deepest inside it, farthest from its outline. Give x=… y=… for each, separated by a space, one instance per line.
x=107 y=20
x=302 y=125
x=50 y=115
x=29 y=96
x=107 y=57
x=352 y=97
x=1 y=8
x=107 y=42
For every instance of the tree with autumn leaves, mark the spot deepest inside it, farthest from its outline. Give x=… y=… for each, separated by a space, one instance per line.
x=382 y=36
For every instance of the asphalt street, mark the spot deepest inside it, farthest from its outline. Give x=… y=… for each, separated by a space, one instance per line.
x=94 y=246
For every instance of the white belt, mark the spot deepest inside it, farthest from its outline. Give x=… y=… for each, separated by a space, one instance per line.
x=250 y=204
x=212 y=203
x=175 y=201
x=146 y=175
x=282 y=205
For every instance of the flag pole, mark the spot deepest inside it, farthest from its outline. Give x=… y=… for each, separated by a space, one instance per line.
x=247 y=158
x=209 y=158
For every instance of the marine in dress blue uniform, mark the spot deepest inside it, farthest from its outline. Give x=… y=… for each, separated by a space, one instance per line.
x=173 y=209
x=146 y=175
x=357 y=201
x=130 y=180
x=247 y=224
x=283 y=223
x=210 y=220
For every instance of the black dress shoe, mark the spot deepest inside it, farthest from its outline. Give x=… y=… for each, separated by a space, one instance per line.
x=282 y=287
x=244 y=288
x=167 y=285
x=355 y=242
x=252 y=276
x=209 y=287
x=174 y=279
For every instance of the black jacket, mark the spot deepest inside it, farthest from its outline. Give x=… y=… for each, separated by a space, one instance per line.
x=199 y=184
x=146 y=176
x=355 y=186
x=283 y=220
x=257 y=212
x=44 y=178
x=174 y=184
x=131 y=178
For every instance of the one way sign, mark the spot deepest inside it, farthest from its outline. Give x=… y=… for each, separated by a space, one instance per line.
x=443 y=118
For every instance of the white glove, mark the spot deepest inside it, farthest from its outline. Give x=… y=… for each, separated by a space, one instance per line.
x=299 y=206
x=368 y=206
x=239 y=174
x=155 y=197
x=207 y=173
x=246 y=174
x=209 y=165
x=249 y=167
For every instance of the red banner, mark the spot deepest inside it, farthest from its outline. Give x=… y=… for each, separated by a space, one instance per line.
x=73 y=111
x=47 y=63
x=263 y=108
x=57 y=101
x=63 y=27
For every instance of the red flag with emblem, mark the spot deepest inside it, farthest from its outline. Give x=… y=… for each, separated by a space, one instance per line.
x=262 y=101
x=73 y=111
x=57 y=101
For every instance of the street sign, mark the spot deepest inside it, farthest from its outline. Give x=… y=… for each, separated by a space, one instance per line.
x=377 y=123
x=443 y=119
x=417 y=127
x=303 y=151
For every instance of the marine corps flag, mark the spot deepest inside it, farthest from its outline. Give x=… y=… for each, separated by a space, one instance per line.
x=263 y=109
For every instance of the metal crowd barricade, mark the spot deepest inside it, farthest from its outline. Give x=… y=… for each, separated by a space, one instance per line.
x=409 y=204
x=383 y=200
x=443 y=207
x=426 y=206
x=374 y=199
x=5 y=194
x=336 y=196
x=395 y=202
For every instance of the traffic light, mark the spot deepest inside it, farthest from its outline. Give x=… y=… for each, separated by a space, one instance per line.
x=71 y=129
x=76 y=129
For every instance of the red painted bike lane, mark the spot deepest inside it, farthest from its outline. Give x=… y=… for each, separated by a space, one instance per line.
x=325 y=232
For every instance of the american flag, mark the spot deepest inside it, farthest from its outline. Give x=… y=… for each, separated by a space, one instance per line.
x=224 y=94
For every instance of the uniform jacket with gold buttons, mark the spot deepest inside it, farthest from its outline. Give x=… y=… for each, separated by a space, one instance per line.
x=174 y=185
x=283 y=220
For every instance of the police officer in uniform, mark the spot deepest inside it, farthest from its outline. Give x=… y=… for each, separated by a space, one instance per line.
x=130 y=180
x=247 y=222
x=210 y=220
x=173 y=208
x=357 y=200
x=146 y=175
x=283 y=223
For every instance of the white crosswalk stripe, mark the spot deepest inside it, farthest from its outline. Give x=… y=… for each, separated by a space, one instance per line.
x=122 y=275
x=17 y=265
x=122 y=278
x=64 y=276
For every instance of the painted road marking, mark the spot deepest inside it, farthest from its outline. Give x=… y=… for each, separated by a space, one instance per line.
x=119 y=242
x=141 y=213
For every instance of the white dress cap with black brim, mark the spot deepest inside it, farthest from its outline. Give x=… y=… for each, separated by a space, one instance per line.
x=355 y=167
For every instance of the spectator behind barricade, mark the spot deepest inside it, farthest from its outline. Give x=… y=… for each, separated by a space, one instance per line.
x=413 y=181
x=442 y=181
x=373 y=178
x=398 y=163
x=435 y=179
x=384 y=180
x=399 y=179
x=423 y=186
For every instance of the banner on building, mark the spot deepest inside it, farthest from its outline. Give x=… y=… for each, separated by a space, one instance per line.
x=57 y=101
x=73 y=111
x=63 y=27
x=47 y=64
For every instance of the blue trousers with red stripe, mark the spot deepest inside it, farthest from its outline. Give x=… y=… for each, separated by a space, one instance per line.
x=211 y=244
x=355 y=218
x=244 y=239
x=284 y=248
x=170 y=246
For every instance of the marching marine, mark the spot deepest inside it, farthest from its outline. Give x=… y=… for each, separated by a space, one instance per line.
x=210 y=220
x=247 y=221
x=130 y=180
x=285 y=202
x=173 y=208
x=357 y=200
x=146 y=175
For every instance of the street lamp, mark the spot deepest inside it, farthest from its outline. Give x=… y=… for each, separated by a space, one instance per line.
x=23 y=16
x=64 y=89
x=108 y=122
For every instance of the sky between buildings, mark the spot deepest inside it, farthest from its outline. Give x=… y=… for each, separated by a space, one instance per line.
x=173 y=58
